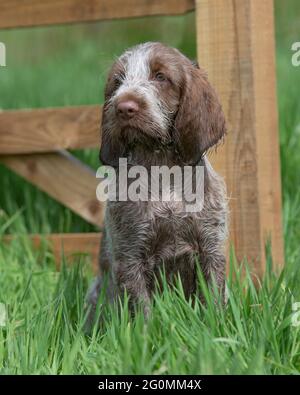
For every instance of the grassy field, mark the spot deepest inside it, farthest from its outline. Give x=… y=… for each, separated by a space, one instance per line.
x=43 y=333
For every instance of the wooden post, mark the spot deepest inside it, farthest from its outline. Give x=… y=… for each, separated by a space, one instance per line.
x=235 y=43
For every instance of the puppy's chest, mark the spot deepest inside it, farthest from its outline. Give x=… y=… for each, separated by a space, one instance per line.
x=169 y=222
x=158 y=229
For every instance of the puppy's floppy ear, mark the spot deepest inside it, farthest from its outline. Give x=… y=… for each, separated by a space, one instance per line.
x=200 y=122
x=111 y=148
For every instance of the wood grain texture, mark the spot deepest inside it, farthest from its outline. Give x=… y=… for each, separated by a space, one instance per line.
x=51 y=129
x=66 y=246
x=20 y=13
x=266 y=124
x=235 y=42
x=64 y=178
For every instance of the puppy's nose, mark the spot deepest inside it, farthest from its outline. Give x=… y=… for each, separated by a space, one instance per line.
x=127 y=109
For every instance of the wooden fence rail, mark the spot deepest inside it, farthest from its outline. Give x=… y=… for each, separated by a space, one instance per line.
x=64 y=178
x=51 y=129
x=16 y=13
x=235 y=43
x=62 y=245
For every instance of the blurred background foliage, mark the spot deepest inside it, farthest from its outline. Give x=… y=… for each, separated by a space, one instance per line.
x=67 y=65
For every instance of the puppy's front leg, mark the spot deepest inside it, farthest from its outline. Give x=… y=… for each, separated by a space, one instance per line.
x=131 y=278
x=213 y=266
x=103 y=283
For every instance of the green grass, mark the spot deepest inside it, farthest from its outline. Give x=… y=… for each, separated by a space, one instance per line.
x=43 y=334
x=253 y=334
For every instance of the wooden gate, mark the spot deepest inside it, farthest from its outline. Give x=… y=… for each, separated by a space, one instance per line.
x=235 y=44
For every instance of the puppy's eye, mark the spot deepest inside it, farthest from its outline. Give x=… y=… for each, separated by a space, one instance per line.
x=118 y=79
x=160 y=77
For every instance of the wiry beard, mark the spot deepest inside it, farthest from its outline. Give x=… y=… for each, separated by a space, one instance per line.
x=145 y=149
x=150 y=140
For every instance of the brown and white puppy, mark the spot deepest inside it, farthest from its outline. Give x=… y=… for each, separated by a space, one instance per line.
x=159 y=110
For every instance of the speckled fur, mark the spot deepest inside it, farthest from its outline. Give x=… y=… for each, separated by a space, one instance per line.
x=141 y=237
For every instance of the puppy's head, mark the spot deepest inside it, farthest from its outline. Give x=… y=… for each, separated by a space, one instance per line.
x=155 y=96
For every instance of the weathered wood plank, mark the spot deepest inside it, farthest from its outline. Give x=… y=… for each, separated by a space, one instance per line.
x=50 y=129
x=67 y=246
x=266 y=124
x=64 y=178
x=16 y=13
x=236 y=46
